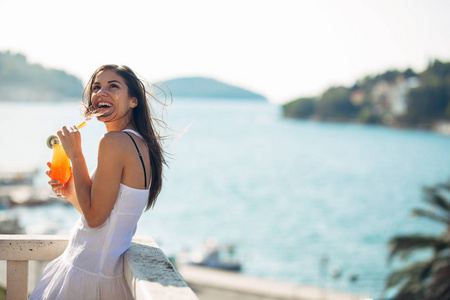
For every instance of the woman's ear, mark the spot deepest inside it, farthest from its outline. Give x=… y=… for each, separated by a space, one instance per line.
x=134 y=102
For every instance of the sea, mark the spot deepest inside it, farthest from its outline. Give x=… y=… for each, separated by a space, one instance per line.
x=302 y=201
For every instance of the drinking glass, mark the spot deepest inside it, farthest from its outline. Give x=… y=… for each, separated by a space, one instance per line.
x=60 y=168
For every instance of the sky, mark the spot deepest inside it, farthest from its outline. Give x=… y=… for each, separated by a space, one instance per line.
x=282 y=49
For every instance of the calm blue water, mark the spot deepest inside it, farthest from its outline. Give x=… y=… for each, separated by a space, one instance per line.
x=286 y=192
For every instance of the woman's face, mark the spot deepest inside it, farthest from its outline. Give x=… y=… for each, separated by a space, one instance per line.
x=110 y=98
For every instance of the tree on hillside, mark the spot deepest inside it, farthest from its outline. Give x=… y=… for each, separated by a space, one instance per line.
x=427 y=103
x=368 y=82
x=437 y=69
x=300 y=108
x=389 y=76
x=431 y=100
x=335 y=104
x=428 y=279
x=409 y=73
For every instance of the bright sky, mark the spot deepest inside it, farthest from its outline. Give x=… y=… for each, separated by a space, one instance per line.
x=283 y=49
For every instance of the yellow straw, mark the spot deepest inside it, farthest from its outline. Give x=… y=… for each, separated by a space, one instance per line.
x=81 y=125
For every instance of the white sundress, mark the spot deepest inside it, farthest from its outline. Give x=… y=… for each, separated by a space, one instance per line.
x=91 y=267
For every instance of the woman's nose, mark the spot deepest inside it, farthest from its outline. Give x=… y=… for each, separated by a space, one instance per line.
x=102 y=92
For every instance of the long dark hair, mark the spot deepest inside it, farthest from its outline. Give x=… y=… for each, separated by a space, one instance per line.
x=141 y=119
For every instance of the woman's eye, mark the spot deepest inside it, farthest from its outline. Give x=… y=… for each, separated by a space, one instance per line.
x=96 y=87
x=114 y=85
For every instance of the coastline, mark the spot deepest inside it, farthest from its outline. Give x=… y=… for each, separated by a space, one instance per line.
x=440 y=127
x=209 y=284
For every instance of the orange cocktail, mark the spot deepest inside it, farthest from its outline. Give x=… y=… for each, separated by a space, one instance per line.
x=60 y=169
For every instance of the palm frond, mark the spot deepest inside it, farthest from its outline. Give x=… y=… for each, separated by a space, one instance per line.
x=406 y=294
x=405 y=246
x=410 y=275
x=439 y=287
x=418 y=212
x=410 y=282
x=435 y=197
x=426 y=280
x=444 y=186
x=439 y=292
x=443 y=292
x=441 y=271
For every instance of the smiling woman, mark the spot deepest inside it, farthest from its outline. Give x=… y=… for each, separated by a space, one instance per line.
x=113 y=198
x=108 y=97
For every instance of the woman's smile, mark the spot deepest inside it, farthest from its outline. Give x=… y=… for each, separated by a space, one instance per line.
x=104 y=104
x=104 y=107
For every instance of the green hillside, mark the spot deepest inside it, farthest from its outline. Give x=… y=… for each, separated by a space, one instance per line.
x=394 y=98
x=22 y=81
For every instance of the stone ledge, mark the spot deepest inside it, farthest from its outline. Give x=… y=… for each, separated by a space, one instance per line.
x=149 y=273
x=32 y=247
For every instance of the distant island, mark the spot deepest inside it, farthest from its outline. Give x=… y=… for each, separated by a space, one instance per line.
x=22 y=81
x=393 y=98
x=201 y=87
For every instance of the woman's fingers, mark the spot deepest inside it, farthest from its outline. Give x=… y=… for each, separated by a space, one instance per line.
x=57 y=188
x=65 y=131
x=48 y=172
x=55 y=183
x=68 y=130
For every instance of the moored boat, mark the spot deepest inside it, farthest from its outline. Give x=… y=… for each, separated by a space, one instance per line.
x=213 y=255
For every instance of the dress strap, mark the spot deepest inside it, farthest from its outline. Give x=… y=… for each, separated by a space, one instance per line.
x=140 y=156
x=134 y=132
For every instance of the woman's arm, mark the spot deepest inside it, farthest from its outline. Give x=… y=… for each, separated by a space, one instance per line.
x=95 y=198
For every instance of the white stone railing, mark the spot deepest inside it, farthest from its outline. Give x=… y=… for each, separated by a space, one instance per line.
x=149 y=273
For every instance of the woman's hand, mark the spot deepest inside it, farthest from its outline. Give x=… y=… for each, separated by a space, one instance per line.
x=66 y=190
x=71 y=141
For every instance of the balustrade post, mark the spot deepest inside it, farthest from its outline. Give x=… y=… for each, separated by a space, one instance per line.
x=17 y=280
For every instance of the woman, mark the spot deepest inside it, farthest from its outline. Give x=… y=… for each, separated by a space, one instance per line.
x=127 y=180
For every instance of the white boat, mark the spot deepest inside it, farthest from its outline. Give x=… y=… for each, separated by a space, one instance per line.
x=212 y=255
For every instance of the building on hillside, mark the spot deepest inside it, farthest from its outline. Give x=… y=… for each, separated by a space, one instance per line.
x=391 y=97
x=357 y=97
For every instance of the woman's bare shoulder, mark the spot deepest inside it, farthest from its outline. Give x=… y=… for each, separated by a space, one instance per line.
x=113 y=137
x=113 y=141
